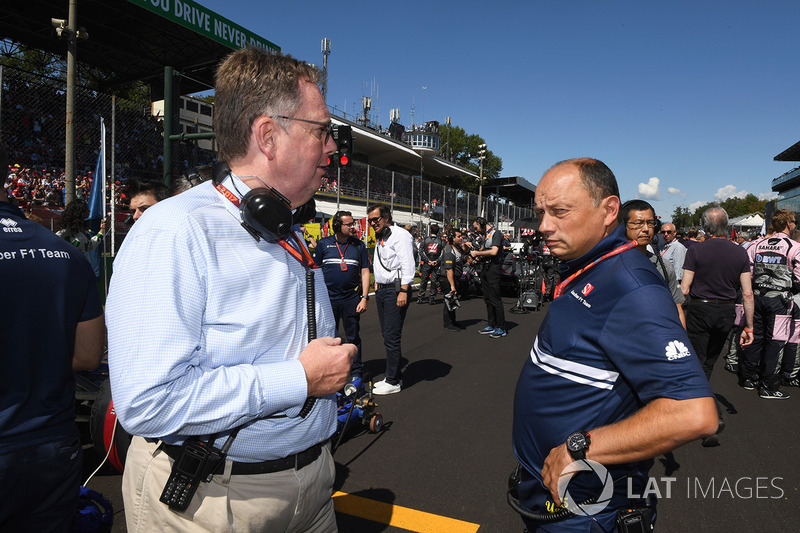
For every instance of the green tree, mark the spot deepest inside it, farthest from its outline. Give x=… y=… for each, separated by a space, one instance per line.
x=682 y=218
x=53 y=67
x=735 y=207
x=463 y=150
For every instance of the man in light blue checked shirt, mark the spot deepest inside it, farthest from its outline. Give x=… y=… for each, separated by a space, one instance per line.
x=208 y=325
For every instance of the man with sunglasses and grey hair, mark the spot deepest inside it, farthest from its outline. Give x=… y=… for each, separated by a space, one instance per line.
x=673 y=251
x=217 y=373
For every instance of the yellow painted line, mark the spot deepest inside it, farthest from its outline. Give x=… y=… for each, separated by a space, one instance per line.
x=397 y=516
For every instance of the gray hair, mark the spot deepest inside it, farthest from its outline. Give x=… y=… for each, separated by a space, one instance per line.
x=715 y=221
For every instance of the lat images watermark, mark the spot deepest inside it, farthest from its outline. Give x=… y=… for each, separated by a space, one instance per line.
x=585 y=508
x=744 y=488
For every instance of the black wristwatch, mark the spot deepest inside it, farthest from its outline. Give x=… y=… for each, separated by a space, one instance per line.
x=403 y=290
x=365 y=297
x=577 y=444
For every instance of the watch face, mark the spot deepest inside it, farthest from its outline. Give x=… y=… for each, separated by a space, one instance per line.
x=577 y=442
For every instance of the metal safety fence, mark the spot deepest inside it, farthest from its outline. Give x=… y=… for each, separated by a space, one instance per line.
x=423 y=201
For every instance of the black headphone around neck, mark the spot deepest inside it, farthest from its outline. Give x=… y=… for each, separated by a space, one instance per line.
x=266 y=213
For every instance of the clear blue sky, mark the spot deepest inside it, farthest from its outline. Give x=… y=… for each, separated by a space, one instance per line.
x=686 y=101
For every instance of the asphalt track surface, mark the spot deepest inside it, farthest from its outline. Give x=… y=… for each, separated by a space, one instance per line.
x=446 y=445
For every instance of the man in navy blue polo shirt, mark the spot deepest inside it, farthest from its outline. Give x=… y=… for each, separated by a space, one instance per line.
x=611 y=381
x=345 y=265
x=57 y=328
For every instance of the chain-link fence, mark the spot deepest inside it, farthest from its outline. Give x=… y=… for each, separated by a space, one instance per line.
x=33 y=129
x=416 y=196
x=32 y=125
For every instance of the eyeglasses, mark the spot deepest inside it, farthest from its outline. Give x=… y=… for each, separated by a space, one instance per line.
x=373 y=220
x=327 y=125
x=667 y=232
x=639 y=224
x=351 y=224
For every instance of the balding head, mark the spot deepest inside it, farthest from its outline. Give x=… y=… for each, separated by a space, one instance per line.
x=715 y=222
x=668 y=231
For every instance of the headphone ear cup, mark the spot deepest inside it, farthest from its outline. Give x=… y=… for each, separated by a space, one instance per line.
x=268 y=216
x=307 y=212
x=336 y=223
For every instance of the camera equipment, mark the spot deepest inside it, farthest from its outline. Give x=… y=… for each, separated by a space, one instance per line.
x=451 y=301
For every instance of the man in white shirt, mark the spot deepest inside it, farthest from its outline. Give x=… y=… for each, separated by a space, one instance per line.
x=394 y=273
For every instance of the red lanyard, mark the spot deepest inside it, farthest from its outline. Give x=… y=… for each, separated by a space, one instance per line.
x=561 y=286
x=302 y=255
x=666 y=247
x=340 y=250
x=232 y=198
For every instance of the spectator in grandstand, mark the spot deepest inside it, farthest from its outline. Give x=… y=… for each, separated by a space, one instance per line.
x=58 y=330
x=220 y=345
x=145 y=194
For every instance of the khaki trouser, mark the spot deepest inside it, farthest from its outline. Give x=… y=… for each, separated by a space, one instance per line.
x=288 y=501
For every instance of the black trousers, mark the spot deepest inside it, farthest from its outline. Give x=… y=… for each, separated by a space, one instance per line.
x=425 y=272
x=345 y=311
x=41 y=485
x=490 y=285
x=391 y=319
x=708 y=325
x=760 y=359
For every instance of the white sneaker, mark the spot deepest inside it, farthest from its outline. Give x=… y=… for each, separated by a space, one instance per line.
x=382 y=388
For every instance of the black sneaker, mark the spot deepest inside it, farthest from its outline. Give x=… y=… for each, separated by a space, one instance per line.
x=711 y=441
x=749 y=384
x=421 y=300
x=793 y=382
x=772 y=394
x=732 y=367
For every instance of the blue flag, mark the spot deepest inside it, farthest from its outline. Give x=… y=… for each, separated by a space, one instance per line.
x=97 y=201
x=97 y=194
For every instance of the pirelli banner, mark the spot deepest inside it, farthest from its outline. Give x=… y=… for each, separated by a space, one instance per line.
x=202 y=20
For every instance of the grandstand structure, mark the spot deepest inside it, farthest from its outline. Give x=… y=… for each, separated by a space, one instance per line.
x=787 y=185
x=176 y=54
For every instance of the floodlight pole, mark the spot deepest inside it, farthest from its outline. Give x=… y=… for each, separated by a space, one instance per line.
x=69 y=145
x=326 y=51
x=482 y=152
x=169 y=109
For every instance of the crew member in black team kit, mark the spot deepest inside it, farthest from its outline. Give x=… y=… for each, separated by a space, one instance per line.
x=491 y=267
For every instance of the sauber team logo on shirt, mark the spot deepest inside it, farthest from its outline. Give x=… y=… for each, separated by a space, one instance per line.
x=587 y=289
x=677 y=350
